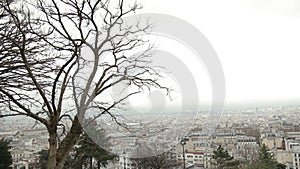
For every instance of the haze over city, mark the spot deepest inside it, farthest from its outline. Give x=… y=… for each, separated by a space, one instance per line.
x=108 y=84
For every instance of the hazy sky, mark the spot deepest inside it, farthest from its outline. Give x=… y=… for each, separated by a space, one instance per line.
x=257 y=41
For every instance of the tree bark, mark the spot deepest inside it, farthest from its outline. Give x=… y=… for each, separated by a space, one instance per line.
x=91 y=162
x=67 y=144
x=58 y=153
x=52 y=150
x=98 y=164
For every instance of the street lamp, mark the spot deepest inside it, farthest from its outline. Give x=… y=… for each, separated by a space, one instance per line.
x=183 y=143
x=124 y=159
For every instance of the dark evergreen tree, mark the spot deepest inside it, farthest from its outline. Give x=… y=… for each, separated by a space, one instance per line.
x=89 y=151
x=265 y=155
x=5 y=156
x=222 y=160
x=43 y=159
x=266 y=160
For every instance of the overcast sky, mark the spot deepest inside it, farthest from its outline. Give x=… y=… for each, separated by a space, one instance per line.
x=257 y=42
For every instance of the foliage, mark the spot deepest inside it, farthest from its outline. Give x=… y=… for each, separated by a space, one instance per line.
x=222 y=160
x=265 y=155
x=43 y=159
x=88 y=150
x=5 y=156
x=84 y=153
x=266 y=160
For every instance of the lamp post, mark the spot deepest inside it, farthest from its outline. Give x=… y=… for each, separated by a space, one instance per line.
x=124 y=159
x=183 y=143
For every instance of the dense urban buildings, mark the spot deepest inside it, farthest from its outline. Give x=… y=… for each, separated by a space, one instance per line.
x=240 y=132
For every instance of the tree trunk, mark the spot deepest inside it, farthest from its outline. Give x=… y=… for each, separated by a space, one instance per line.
x=67 y=144
x=91 y=162
x=52 y=150
x=98 y=164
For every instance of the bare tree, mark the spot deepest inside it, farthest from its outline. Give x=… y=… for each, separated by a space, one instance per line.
x=159 y=161
x=60 y=57
x=154 y=155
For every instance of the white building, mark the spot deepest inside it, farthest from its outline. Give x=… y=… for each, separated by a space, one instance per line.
x=296 y=157
x=125 y=162
x=195 y=158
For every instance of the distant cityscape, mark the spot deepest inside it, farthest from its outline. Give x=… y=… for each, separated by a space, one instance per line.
x=240 y=132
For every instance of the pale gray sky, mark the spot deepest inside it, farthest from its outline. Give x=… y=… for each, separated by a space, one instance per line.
x=257 y=41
